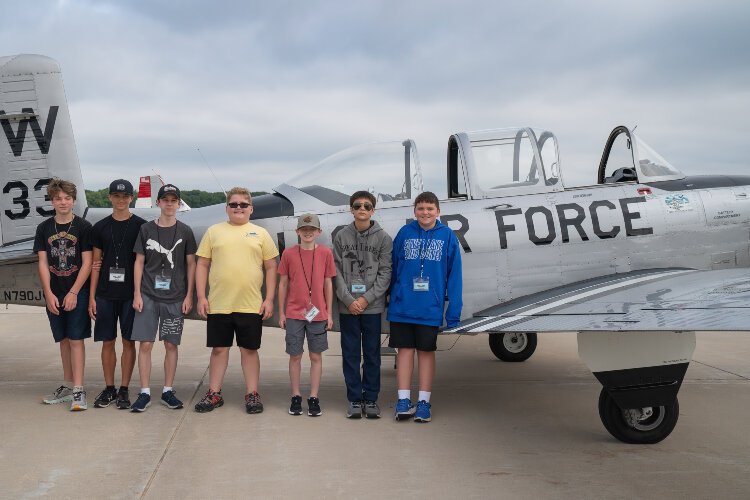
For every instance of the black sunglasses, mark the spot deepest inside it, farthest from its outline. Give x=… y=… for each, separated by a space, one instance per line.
x=240 y=205
x=357 y=206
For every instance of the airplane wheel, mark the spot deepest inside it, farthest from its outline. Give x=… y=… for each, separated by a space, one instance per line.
x=638 y=426
x=513 y=346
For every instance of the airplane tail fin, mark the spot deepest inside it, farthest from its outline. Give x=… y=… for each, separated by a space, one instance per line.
x=36 y=144
x=148 y=189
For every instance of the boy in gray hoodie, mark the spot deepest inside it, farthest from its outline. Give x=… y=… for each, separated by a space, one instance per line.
x=362 y=253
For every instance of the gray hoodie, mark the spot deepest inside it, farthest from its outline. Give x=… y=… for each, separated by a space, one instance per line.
x=362 y=255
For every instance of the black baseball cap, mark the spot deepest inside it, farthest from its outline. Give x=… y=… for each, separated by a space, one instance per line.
x=121 y=186
x=168 y=189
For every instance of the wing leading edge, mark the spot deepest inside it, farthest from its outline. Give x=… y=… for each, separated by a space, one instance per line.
x=653 y=299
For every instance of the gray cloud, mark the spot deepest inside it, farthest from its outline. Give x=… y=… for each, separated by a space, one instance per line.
x=268 y=89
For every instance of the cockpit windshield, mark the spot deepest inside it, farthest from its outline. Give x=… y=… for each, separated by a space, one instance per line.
x=337 y=177
x=652 y=163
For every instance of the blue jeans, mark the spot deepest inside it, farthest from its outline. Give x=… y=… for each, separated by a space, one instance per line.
x=361 y=334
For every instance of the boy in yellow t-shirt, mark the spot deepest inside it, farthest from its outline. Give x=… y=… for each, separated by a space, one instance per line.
x=233 y=259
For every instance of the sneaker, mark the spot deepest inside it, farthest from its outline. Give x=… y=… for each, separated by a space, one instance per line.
x=123 y=400
x=354 y=410
x=210 y=401
x=313 y=407
x=423 y=412
x=143 y=402
x=60 y=395
x=105 y=398
x=79 y=401
x=296 y=407
x=169 y=400
x=404 y=409
x=252 y=403
x=372 y=410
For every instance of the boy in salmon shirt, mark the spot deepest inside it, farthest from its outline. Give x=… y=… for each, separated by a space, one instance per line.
x=306 y=308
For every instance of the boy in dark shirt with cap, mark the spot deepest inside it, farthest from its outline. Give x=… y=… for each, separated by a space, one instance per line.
x=111 y=297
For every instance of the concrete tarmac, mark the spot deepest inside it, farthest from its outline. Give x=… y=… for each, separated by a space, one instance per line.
x=499 y=430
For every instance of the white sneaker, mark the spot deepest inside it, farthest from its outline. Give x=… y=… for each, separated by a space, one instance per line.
x=60 y=395
x=79 y=401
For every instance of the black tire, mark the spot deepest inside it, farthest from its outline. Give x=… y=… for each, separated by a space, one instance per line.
x=513 y=347
x=650 y=430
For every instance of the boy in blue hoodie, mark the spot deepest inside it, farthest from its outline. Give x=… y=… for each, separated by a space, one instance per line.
x=426 y=271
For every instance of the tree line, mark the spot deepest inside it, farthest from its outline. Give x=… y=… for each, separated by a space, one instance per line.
x=195 y=198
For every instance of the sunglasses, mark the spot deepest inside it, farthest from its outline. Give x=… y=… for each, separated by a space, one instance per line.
x=357 y=206
x=238 y=205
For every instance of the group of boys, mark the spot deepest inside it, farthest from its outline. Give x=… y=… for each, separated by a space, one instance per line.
x=143 y=274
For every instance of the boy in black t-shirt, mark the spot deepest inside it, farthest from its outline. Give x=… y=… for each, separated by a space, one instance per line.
x=111 y=298
x=62 y=244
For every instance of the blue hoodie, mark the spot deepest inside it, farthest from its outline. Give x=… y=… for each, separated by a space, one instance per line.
x=438 y=249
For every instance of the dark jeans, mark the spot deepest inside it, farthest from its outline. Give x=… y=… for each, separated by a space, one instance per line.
x=361 y=334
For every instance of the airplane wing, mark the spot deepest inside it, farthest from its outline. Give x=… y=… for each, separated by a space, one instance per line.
x=647 y=300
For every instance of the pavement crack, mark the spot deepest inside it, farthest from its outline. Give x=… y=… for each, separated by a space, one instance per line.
x=721 y=369
x=172 y=437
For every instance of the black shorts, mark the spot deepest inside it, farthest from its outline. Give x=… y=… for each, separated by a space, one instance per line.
x=411 y=335
x=108 y=312
x=221 y=329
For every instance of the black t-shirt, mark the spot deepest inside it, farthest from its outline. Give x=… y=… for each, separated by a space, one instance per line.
x=115 y=239
x=63 y=244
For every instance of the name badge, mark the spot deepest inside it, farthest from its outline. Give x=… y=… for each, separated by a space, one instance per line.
x=117 y=275
x=358 y=286
x=311 y=312
x=162 y=282
x=420 y=284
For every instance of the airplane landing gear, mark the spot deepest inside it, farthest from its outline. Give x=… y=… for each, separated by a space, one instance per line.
x=647 y=425
x=513 y=346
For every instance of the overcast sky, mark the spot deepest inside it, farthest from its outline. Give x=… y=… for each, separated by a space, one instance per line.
x=267 y=89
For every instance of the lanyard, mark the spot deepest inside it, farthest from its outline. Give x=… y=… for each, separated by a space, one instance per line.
x=422 y=248
x=312 y=270
x=116 y=246
x=360 y=260
x=171 y=245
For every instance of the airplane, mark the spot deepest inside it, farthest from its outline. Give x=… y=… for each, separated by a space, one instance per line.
x=148 y=187
x=634 y=264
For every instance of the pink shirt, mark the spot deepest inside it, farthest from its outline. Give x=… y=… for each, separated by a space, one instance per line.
x=304 y=273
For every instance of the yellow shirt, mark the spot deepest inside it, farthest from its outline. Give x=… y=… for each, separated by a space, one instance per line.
x=236 y=276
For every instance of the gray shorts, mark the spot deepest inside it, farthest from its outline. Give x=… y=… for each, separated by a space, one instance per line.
x=317 y=336
x=166 y=318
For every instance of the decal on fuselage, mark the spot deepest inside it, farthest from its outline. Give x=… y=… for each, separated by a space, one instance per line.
x=572 y=215
x=23 y=295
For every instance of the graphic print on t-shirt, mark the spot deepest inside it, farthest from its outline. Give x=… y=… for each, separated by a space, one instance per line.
x=155 y=245
x=62 y=247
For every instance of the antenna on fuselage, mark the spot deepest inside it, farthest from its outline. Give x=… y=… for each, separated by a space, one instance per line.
x=211 y=170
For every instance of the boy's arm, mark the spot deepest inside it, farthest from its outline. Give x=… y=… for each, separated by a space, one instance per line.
x=201 y=280
x=187 y=304
x=71 y=298
x=283 y=285
x=140 y=259
x=328 y=292
x=383 y=278
x=49 y=297
x=96 y=255
x=342 y=289
x=455 y=286
x=266 y=308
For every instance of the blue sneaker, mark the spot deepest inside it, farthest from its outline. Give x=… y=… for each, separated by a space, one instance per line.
x=423 y=412
x=404 y=409
x=143 y=402
x=169 y=400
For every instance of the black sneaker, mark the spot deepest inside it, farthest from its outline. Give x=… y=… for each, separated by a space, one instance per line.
x=169 y=400
x=105 y=398
x=123 y=400
x=210 y=401
x=313 y=407
x=252 y=403
x=296 y=407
